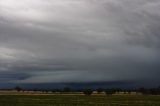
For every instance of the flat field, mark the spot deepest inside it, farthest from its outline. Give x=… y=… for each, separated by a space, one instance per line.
x=79 y=100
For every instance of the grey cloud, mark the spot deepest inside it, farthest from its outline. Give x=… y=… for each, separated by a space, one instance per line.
x=66 y=40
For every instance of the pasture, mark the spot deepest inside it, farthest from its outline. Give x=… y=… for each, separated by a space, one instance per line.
x=78 y=100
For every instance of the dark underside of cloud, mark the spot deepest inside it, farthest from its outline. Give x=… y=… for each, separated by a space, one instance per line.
x=105 y=42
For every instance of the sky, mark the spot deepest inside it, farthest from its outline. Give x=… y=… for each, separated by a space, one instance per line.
x=80 y=41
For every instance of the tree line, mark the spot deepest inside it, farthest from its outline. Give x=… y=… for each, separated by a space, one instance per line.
x=110 y=91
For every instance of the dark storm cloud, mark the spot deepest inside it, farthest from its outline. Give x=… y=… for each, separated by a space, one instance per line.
x=79 y=40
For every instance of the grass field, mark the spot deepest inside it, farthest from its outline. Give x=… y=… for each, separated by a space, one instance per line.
x=61 y=100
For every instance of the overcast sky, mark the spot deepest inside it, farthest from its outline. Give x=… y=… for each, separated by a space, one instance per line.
x=48 y=41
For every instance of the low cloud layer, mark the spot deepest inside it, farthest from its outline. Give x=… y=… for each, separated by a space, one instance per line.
x=79 y=41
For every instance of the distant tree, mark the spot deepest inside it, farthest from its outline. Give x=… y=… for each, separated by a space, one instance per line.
x=35 y=90
x=118 y=89
x=153 y=91
x=129 y=91
x=66 y=89
x=158 y=90
x=88 y=92
x=99 y=90
x=17 y=88
x=144 y=91
x=45 y=90
x=58 y=90
x=110 y=91
x=53 y=90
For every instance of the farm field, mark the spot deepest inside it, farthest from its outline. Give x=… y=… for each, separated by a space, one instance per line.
x=64 y=100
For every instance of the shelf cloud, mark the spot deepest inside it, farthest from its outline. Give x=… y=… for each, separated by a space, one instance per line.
x=63 y=41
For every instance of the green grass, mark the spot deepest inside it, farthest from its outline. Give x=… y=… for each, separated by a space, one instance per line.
x=61 y=100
